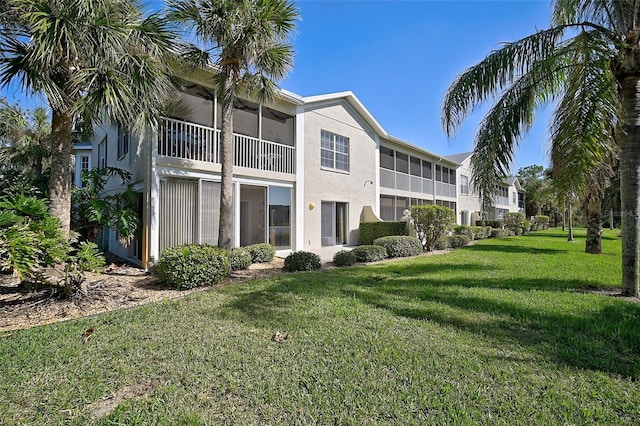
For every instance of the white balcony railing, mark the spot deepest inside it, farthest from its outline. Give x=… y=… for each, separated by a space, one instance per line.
x=191 y=141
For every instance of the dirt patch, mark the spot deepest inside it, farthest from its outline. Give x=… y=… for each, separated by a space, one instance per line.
x=120 y=286
x=105 y=406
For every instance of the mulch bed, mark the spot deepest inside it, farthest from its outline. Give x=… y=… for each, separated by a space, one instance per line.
x=119 y=286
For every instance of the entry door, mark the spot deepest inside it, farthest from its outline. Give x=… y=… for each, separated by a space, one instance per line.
x=333 y=223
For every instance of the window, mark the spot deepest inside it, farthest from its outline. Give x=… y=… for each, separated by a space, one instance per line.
x=84 y=163
x=387 y=158
x=452 y=176
x=402 y=162
x=334 y=151
x=464 y=185
x=514 y=198
x=438 y=173
x=102 y=153
x=426 y=170
x=415 y=168
x=123 y=142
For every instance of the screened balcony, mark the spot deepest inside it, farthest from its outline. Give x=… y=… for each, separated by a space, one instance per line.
x=190 y=141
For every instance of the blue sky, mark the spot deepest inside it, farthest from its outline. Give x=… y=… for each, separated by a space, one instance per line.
x=399 y=57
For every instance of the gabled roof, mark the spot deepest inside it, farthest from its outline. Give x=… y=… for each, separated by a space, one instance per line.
x=356 y=104
x=459 y=158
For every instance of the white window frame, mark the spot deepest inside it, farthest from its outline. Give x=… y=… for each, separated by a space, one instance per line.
x=332 y=151
x=464 y=185
x=123 y=141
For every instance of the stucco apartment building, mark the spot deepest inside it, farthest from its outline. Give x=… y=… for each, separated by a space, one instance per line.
x=509 y=197
x=305 y=169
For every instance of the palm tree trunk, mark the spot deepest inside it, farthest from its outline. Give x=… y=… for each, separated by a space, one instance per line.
x=594 y=226
x=226 y=150
x=60 y=181
x=570 y=236
x=630 y=183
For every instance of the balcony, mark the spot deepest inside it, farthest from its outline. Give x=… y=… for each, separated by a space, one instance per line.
x=189 y=141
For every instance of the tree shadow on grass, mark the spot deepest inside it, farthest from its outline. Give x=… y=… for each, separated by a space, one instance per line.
x=607 y=339
x=513 y=249
x=604 y=339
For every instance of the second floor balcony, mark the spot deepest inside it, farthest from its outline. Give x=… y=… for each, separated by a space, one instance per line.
x=190 y=141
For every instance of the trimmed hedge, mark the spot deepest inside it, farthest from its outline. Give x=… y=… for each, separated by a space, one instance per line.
x=261 y=252
x=442 y=243
x=344 y=258
x=369 y=231
x=542 y=222
x=302 y=261
x=464 y=230
x=515 y=222
x=400 y=246
x=192 y=265
x=369 y=253
x=456 y=241
x=481 y=232
x=239 y=259
x=495 y=224
x=499 y=233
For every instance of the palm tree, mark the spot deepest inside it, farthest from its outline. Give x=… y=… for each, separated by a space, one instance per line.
x=25 y=149
x=247 y=42
x=92 y=60
x=588 y=62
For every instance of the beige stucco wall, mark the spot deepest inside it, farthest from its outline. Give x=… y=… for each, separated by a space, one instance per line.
x=470 y=202
x=356 y=187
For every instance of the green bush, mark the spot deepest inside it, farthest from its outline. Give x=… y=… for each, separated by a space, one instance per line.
x=369 y=253
x=495 y=224
x=515 y=222
x=541 y=222
x=399 y=246
x=432 y=222
x=464 y=230
x=456 y=241
x=302 y=261
x=369 y=231
x=344 y=258
x=442 y=243
x=192 y=265
x=499 y=233
x=261 y=252
x=239 y=259
x=89 y=257
x=481 y=232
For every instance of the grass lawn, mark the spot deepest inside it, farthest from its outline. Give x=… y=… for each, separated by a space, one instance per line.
x=502 y=332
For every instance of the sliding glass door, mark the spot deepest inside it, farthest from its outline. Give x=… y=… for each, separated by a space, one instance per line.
x=333 y=223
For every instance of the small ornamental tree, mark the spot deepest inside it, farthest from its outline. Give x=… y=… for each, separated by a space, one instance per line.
x=432 y=222
x=515 y=222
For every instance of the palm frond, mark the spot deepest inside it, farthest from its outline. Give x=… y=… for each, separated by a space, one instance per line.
x=495 y=73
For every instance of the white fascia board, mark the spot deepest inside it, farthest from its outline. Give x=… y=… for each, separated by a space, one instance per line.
x=405 y=144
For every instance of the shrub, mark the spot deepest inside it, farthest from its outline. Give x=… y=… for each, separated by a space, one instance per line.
x=302 y=261
x=400 y=246
x=89 y=257
x=369 y=253
x=496 y=224
x=542 y=222
x=456 y=241
x=344 y=258
x=499 y=233
x=442 y=243
x=192 y=265
x=261 y=252
x=515 y=222
x=432 y=222
x=464 y=230
x=481 y=232
x=239 y=259
x=369 y=231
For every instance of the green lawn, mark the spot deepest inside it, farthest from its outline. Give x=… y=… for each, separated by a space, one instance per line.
x=503 y=332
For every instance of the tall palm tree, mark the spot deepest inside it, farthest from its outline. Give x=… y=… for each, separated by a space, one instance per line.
x=588 y=62
x=24 y=147
x=248 y=43
x=92 y=60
